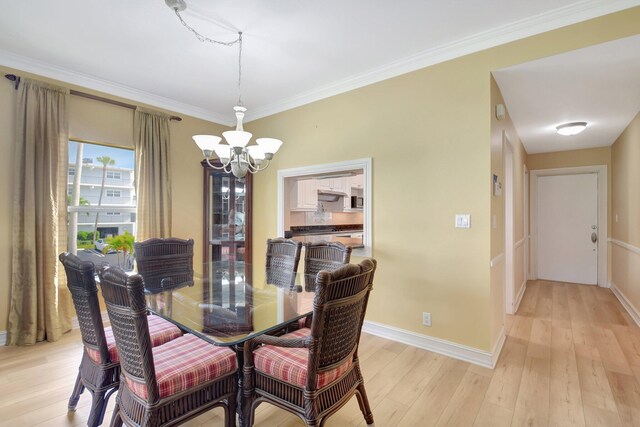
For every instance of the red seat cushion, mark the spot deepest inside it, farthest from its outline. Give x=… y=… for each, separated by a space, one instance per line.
x=160 y=330
x=290 y=364
x=184 y=363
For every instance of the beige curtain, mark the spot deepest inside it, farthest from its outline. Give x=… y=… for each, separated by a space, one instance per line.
x=153 y=180
x=40 y=301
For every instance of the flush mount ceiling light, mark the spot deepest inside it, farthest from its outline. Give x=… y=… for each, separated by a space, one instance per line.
x=236 y=156
x=572 y=128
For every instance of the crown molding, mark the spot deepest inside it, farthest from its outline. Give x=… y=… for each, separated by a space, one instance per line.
x=41 y=68
x=551 y=20
x=557 y=18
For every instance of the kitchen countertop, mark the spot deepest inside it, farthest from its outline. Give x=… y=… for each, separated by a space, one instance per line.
x=355 y=243
x=349 y=241
x=303 y=230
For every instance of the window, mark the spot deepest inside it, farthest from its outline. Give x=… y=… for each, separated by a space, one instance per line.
x=119 y=216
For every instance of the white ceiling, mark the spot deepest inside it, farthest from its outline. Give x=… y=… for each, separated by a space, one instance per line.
x=295 y=51
x=599 y=85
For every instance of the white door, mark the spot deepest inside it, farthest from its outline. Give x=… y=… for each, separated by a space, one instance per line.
x=567 y=224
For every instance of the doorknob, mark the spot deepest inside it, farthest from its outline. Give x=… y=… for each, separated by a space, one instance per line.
x=594 y=237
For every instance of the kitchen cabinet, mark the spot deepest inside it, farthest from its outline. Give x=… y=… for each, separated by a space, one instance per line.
x=357 y=181
x=354 y=186
x=304 y=195
x=332 y=184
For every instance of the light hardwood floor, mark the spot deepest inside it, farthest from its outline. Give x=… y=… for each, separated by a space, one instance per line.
x=572 y=357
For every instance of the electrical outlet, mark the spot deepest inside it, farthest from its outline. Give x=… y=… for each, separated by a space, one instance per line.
x=426 y=319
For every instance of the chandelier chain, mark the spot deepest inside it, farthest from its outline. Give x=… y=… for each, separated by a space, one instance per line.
x=200 y=36
x=240 y=69
x=210 y=40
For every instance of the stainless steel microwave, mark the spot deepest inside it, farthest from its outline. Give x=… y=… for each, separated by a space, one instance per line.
x=357 y=202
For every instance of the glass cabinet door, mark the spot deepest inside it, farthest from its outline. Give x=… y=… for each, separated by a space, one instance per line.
x=227 y=252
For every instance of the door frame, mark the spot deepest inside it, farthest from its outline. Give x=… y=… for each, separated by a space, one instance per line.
x=527 y=233
x=509 y=232
x=603 y=234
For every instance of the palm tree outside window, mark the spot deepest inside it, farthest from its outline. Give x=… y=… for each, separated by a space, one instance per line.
x=102 y=178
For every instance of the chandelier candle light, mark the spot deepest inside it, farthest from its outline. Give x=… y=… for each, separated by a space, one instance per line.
x=236 y=156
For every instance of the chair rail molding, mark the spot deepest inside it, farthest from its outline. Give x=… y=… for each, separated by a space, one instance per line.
x=496 y=260
x=625 y=245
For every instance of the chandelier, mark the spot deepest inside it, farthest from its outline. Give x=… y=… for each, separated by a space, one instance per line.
x=236 y=156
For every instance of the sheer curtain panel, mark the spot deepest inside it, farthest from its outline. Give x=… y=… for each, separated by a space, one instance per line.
x=40 y=301
x=153 y=181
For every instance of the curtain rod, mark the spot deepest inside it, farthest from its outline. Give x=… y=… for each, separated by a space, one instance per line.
x=16 y=79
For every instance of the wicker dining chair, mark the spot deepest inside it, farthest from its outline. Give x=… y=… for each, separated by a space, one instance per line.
x=283 y=257
x=164 y=264
x=99 y=370
x=326 y=256
x=169 y=384
x=314 y=372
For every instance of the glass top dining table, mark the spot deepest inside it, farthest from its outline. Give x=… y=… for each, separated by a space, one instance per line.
x=227 y=311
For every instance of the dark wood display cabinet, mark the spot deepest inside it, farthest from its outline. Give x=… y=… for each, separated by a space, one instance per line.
x=227 y=252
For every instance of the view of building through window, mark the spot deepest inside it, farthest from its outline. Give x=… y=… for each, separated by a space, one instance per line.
x=101 y=203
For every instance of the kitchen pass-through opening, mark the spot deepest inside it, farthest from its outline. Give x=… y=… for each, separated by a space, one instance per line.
x=327 y=203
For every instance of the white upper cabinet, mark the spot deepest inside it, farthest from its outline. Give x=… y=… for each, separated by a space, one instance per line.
x=357 y=181
x=332 y=184
x=304 y=195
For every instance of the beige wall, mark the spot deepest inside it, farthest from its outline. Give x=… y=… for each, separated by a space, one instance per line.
x=570 y=159
x=499 y=130
x=100 y=122
x=428 y=133
x=625 y=232
x=625 y=159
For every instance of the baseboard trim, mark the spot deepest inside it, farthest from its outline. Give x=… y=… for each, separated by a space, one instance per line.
x=523 y=287
x=633 y=312
x=3 y=337
x=447 y=348
x=497 y=348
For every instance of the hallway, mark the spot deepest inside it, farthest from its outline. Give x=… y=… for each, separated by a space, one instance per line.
x=572 y=357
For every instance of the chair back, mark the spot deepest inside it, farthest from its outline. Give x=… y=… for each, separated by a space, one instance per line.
x=165 y=263
x=82 y=285
x=338 y=313
x=127 y=309
x=283 y=257
x=326 y=256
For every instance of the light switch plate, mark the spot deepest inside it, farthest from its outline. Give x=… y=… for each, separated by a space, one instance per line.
x=463 y=221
